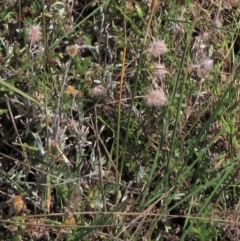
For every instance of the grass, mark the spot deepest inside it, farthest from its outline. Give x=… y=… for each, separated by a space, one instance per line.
x=90 y=149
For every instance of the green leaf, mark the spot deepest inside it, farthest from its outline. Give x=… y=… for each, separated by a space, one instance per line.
x=13 y=88
x=26 y=146
x=3 y=111
x=139 y=11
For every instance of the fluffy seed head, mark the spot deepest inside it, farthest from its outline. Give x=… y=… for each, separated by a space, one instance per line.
x=206 y=64
x=228 y=4
x=157 y=48
x=204 y=67
x=218 y=23
x=34 y=33
x=98 y=91
x=160 y=71
x=233 y=2
x=177 y=29
x=155 y=98
x=11 y=2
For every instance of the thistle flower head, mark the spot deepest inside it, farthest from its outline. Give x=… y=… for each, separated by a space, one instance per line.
x=17 y=204
x=160 y=71
x=72 y=50
x=34 y=33
x=70 y=90
x=155 y=98
x=157 y=48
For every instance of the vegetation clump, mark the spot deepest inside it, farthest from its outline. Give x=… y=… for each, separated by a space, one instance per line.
x=119 y=120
